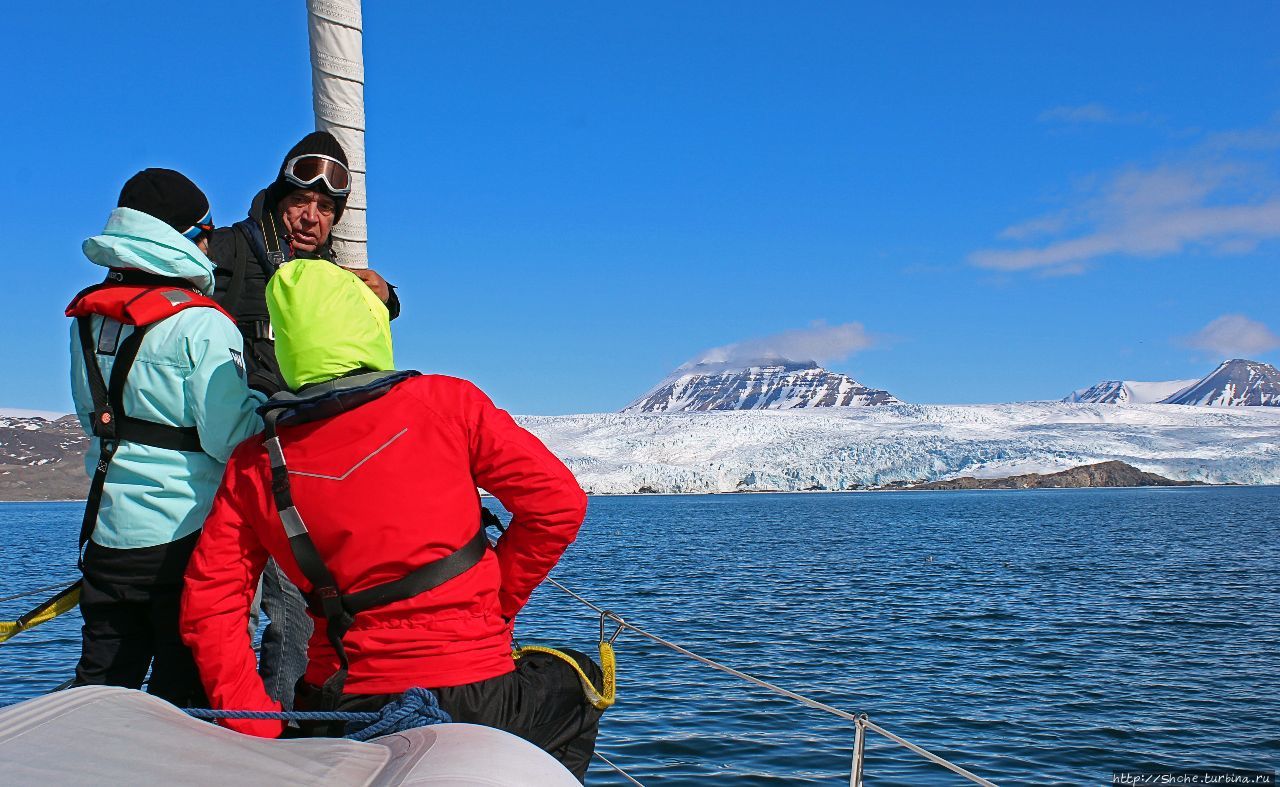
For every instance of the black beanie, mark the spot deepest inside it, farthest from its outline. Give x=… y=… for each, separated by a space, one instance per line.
x=167 y=195
x=323 y=143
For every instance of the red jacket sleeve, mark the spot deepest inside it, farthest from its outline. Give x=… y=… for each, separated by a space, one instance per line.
x=221 y=580
x=546 y=503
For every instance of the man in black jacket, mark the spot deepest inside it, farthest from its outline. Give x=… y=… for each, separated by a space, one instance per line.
x=291 y=218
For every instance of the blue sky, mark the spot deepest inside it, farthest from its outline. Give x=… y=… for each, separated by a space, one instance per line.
x=956 y=205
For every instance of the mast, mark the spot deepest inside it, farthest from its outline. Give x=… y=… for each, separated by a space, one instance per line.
x=336 y=31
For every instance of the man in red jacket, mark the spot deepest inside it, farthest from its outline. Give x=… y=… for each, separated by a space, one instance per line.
x=363 y=490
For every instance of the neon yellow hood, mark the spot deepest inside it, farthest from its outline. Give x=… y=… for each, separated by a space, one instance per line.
x=327 y=323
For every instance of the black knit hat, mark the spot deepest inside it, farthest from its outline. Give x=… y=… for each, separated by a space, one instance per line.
x=323 y=143
x=168 y=195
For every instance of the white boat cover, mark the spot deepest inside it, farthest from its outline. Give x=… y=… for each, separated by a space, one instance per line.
x=110 y=736
x=335 y=29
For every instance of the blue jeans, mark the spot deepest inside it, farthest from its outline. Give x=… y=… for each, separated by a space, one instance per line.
x=283 y=659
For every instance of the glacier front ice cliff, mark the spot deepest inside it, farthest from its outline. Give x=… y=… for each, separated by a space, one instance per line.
x=852 y=448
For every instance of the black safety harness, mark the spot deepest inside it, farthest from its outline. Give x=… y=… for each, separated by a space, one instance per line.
x=326 y=599
x=110 y=423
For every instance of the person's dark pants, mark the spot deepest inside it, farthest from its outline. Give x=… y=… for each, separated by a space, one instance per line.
x=130 y=599
x=283 y=659
x=541 y=701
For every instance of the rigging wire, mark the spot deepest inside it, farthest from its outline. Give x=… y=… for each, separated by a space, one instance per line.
x=34 y=591
x=858 y=719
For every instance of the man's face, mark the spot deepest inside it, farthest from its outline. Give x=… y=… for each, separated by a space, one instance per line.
x=308 y=217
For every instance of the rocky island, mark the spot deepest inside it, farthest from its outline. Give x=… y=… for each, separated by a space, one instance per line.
x=1102 y=474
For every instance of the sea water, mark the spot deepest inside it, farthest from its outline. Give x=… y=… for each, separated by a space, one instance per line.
x=1034 y=637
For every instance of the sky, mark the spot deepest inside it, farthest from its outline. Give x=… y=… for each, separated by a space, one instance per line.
x=954 y=202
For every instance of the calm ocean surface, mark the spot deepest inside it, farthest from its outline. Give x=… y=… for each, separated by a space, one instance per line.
x=1038 y=637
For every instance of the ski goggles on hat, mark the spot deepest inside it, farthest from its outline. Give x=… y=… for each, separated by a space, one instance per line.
x=306 y=170
x=205 y=224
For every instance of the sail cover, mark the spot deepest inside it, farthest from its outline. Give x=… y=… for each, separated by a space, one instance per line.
x=337 y=87
x=109 y=735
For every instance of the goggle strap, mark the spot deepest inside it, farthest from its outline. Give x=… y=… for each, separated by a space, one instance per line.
x=205 y=224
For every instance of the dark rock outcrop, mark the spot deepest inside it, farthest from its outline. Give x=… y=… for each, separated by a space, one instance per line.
x=1103 y=474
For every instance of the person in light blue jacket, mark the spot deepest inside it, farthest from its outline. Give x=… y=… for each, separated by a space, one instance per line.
x=188 y=381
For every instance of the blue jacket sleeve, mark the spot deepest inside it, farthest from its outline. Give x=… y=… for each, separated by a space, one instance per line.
x=223 y=405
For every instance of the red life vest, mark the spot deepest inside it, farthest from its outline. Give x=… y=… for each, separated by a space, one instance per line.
x=138 y=304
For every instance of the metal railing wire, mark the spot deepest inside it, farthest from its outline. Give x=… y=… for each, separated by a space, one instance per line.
x=861 y=721
x=34 y=591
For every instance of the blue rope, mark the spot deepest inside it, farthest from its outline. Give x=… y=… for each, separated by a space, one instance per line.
x=416 y=708
x=267 y=715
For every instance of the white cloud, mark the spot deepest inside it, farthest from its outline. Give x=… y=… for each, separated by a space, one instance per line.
x=1091 y=113
x=1233 y=336
x=819 y=342
x=1212 y=204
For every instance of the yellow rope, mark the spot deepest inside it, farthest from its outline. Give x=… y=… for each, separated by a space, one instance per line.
x=65 y=601
x=599 y=698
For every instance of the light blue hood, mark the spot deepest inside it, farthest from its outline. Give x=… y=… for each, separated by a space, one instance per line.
x=133 y=239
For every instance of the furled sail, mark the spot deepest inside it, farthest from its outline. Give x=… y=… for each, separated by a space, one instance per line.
x=337 y=86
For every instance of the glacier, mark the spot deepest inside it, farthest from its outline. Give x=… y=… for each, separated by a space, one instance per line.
x=867 y=447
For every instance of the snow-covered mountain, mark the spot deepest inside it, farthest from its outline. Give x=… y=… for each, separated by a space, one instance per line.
x=854 y=447
x=764 y=384
x=1128 y=392
x=1236 y=383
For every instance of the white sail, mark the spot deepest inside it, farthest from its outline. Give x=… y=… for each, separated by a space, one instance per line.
x=337 y=87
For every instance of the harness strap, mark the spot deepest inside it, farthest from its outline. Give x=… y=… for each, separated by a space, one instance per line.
x=104 y=427
x=252 y=240
x=275 y=255
x=104 y=418
x=420 y=580
x=139 y=430
x=326 y=599
x=111 y=424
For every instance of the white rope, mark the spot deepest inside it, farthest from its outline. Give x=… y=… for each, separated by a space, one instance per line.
x=812 y=703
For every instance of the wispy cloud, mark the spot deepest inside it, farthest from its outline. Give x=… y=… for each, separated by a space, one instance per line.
x=1233 y=336
x=1092 y=113
x=1217 y=198
x=819 y=342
